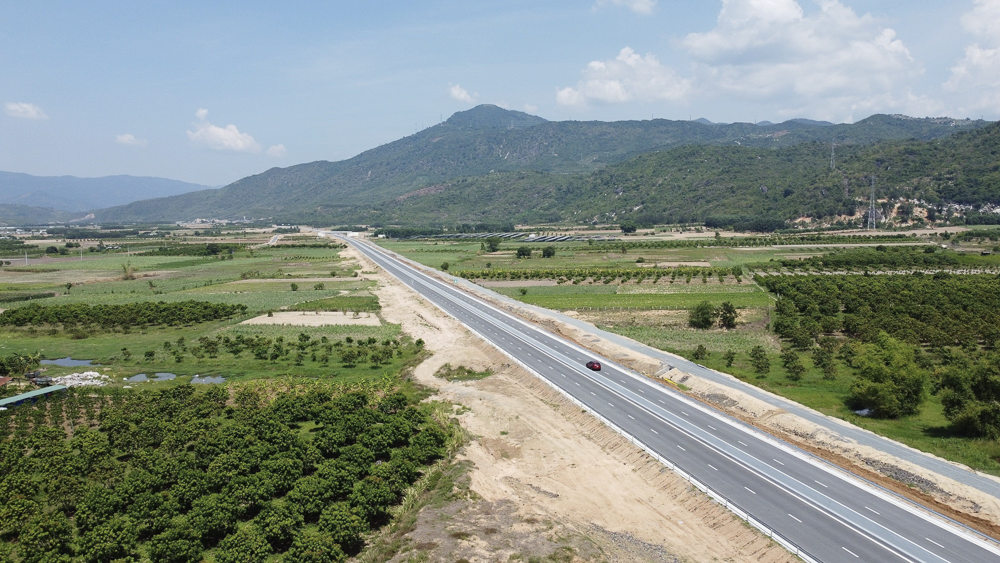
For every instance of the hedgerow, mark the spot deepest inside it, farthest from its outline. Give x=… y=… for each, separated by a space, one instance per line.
x=146 y=313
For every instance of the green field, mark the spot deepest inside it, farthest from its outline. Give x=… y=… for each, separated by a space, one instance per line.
x=582 y=297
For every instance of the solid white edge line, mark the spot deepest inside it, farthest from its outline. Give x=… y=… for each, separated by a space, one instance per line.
x=921 y=512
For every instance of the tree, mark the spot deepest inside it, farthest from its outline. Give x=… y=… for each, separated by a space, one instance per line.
x=319 y=286
x=700 y=353
x=492 y=244
x=889 y=383
x=344 y=526
x=792 y=364
x=113 y=539
x=45 y=539
x=628 y=226
x=315 y=547
x=295 y=287
x=549 y=251
x=178 y=544
x=247 y=545
x=728 y=315
x=279 y=522
x=758 y=359
x=730 y=358
x=971 y=396
x=444 y=266
x=703 y=315
x=524 y=252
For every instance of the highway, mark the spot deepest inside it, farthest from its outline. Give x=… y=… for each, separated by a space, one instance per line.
x=813 y=508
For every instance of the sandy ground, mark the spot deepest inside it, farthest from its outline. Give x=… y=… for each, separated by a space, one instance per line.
x=677 y=264
x=295 y=280
x=315 y=318
x=548 y=477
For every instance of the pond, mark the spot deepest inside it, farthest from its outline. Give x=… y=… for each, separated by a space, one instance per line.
x=68 y=362
x=208 y=379
x=160 y=376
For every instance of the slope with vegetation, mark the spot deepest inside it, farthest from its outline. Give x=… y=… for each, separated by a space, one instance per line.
x=487 y=140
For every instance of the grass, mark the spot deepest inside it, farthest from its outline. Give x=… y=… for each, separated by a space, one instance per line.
x=348 y=303
x=461 y=373
x=569 y=297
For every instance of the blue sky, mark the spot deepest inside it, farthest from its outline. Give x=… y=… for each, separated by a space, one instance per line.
x=211 y=92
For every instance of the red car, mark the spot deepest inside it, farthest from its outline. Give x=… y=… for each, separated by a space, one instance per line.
x=596 y=366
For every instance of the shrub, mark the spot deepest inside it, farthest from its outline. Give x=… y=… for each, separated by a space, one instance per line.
x=703 y=315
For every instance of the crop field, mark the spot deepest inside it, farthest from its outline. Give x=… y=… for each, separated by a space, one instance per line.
x=262 y=280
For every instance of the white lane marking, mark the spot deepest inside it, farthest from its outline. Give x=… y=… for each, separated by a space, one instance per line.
x=742 y=443
x=684 y=413
x=879 y=513
x=682 y=449
x=632 y=417
x=776 y=461
x=794 y=518
x=610 y=405
x=712 y=427
x=653 y=431
x=849 y=551
x=935 y=543
x=622 y=380
x=661 y=402
x=592 y=393
x=710 y=465
x=821 y=484
x=749 y=489
x=577 y=384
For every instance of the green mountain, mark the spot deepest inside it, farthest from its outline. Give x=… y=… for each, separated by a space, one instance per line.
x=694 y=182
x=488 y=140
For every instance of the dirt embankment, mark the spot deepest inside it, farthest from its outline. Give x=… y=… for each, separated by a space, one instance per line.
x=546 y=478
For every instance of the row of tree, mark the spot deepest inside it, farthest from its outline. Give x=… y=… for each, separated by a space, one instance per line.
x=174 y=474
x=145 y=313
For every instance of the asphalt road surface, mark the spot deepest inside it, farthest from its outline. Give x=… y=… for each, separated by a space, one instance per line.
x=819 y=510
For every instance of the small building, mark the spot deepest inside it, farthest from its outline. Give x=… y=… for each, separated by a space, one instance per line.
x=31 y=396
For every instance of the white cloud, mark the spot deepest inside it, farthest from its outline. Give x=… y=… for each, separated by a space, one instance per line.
x=626 y=78
x=976 y=77
x=226 y=138
x=644 y=7
x=24 y=110
x=130 y=140
x=277 y=151
x=530 y=108
x=828 y=64
x=460 y=94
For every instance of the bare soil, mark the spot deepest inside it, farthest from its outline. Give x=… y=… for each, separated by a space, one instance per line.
x=315 y=318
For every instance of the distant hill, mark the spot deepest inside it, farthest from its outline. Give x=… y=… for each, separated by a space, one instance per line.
x=694 y=182
x=488 y=140
x=17 y=215
x=69 y=193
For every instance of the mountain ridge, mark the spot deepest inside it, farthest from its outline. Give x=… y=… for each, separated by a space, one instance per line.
x=75 y=194
x=477 y=142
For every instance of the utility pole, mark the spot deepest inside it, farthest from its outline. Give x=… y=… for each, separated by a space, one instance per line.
x=832 y=145
x=871 y=207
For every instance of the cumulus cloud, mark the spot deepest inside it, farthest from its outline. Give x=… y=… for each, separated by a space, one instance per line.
x=276 y=151
x=460 y=94
x=830 y=64
x=228 y=138
x=627 y=77
x=976 y=77
x=129 y=139
x=644 y=7
x=24 y=110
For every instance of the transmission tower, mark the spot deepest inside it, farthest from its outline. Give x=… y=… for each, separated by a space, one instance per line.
x=871 y=207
